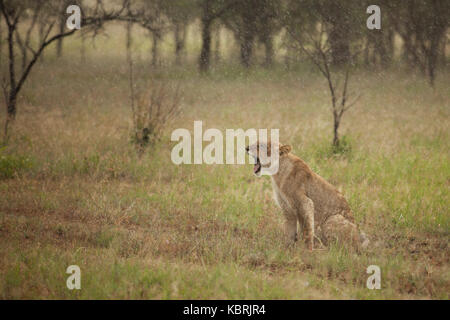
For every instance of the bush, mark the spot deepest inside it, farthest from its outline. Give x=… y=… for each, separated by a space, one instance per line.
x=154 y=110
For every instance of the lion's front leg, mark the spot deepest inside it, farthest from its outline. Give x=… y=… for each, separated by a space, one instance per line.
x=308 y=221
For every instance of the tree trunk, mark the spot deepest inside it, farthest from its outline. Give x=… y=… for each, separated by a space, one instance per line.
x=155 y=49
x=217 y=46
x=390 y=45
x=59 y=43
x=436 y=38
x=205 y=53
x=11 y=102
x=184 y=36
x=380 y=48
x=407 y=51
x=432 y=56
x=179 y=37
x=11 y=97
x=335 y=130
x=246 y=48
x=128 y=39
x=268 y=45
x=442 y=59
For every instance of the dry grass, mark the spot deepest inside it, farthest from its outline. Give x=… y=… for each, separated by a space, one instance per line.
x=141 y=227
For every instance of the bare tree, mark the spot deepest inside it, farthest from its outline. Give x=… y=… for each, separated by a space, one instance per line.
x=180 y=13
x=128 y=38
x=211 y=10
x=179 y=32
x=149 y=15
x=251 y=21
x=268 y=24
x=379 y=43
x=152 y=109
x=423 y=27
x=24 y=44
x=242 y=20
x=63 y=4
x=320 y=53
x=14 y=13
x=216 y=50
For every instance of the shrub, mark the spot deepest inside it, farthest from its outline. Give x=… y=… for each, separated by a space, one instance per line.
x=155 y=108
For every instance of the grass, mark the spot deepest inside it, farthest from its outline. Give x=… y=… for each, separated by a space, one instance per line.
x=74 y=191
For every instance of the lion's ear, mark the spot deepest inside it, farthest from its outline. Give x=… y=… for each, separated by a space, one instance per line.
x=285 y=149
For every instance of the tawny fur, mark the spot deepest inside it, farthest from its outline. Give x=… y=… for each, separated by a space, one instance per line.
x=305 y=197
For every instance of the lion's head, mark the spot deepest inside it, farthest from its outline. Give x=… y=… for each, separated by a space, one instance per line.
x=266 y=156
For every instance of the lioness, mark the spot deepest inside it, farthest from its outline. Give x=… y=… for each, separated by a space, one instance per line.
x=304 y=196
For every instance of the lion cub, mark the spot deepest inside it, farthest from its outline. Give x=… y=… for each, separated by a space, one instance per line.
x=304 y=196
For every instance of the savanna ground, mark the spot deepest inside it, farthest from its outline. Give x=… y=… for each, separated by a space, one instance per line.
x=74 y=191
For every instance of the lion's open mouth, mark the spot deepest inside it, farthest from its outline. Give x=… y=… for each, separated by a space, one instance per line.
x=257 y=166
